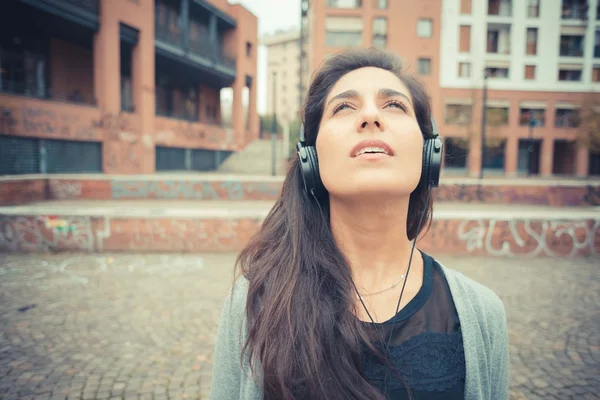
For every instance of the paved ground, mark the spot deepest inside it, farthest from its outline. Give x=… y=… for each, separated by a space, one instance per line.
x=142 y=326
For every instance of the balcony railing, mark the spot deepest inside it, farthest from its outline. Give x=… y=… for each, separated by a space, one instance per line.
x=574 y=10
x=88 y=5
x=178 y=115
x=571 y=51
x=344 y=3
x=25 y=74
x=198 y=43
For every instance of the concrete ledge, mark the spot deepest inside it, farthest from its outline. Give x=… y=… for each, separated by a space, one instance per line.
x=242 y=188
x=227 y=226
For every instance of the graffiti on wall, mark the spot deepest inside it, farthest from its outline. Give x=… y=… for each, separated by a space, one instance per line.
x=193 y=190
x=185 y=235
x=530 y=238
x=44 y=121
x=63 y=190
x=43 y=233
x=520 y=194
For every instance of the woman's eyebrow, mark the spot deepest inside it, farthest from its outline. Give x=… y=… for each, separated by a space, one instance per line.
x=347 y=94
x=387 y=92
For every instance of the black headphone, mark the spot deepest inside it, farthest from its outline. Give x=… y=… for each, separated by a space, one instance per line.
x=309 y=164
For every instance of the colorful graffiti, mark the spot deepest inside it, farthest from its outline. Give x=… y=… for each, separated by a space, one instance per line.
x=193 y=190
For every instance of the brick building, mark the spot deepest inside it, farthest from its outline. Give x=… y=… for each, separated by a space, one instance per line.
x=541 y=58
x=124 y=86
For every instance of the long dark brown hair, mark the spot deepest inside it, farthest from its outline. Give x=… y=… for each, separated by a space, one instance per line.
x=303 y=333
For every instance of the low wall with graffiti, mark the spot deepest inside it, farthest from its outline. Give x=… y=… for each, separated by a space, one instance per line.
x=485 y=236
x=156 y=187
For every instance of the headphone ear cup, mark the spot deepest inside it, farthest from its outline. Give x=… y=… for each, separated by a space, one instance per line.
x=424 y=182
x=432 y=163
x=317 y=184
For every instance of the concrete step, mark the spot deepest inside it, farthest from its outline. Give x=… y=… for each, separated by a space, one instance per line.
x=216 y=226
x=256 y=158
x=227 y=186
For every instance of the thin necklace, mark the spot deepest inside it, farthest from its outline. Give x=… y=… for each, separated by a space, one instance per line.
x=362 y=294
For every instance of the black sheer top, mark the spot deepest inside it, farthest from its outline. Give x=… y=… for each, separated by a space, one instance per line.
x=426 y=346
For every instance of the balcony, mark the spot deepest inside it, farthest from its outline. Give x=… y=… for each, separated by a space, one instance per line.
x=82 y=12
x=574 y=9
x=571 y=46
x=344 y=3
x=197 y=43
x=26 y=74
x=176 y=132
x=500 y=8
x=498 y=39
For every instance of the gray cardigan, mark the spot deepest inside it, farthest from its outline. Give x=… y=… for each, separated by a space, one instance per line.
x=483 y=324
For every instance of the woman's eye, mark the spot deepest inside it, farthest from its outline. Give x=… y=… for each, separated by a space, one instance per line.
x=397 y=104
x=340 y=107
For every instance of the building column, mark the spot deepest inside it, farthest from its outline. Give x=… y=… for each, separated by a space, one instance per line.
x=237 y=112
x=185 y=23
x=254 y=123
x=128 y=139
x=107 y=67
x=582 y=161
x=212 y=35
x=546 y=156
x=511 y=156
x=474 y=159
x=107 y=82
x=144 y=95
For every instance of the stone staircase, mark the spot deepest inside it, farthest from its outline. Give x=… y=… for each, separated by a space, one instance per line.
x=256 y=159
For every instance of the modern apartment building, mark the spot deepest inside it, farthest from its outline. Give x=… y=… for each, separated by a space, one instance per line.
x=538 y=63
x=124 y=86
x=283 y=54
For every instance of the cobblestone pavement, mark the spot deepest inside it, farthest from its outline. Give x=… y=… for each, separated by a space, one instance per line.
x=142 y=326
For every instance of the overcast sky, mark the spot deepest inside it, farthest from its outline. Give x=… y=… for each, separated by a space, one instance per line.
x=272 y=15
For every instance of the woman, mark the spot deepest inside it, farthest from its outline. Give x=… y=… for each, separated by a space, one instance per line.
x=331 y=304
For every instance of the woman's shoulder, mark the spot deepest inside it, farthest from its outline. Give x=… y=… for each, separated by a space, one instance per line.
x=466 y=290
x=235 y=301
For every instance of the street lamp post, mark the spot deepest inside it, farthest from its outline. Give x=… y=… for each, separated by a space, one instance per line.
x=274 y=128
x=483 y=122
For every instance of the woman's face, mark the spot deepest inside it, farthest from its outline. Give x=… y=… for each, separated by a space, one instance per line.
x=369 y=141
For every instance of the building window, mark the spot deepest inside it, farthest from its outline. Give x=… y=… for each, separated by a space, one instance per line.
x=531 y=48
x=380 y=32
x=424 y=27
x=381 y=4
x=533 y=8
x=500 y=8
x=464 y=46
x=571 y=45
x=343 y=31
x=458 y=114
x=464 y=70
x=596 y=73
x=597 y=43
x=497 y=116
x=530 y=72
x=344 y=3
x=566 y=118
x=497 y=72
x=465 y=7
x=424 y=66
x=569 y=74
x=574 y=9
x=248 y=49
x=498 y=38
x=538 y=115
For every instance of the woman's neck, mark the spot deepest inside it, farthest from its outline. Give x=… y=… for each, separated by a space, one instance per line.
x=373 y=238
